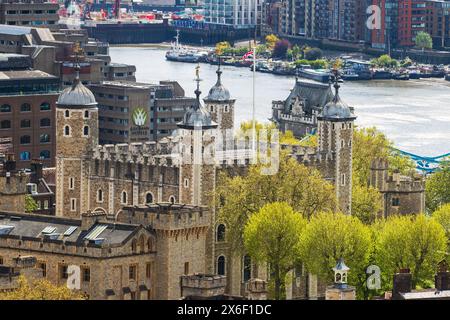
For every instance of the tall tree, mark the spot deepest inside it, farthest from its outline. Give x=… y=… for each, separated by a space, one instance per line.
x=329 y=237
x=366 y=203
x=437 y=190
x=301 y=187
x=272 y=236
x=424 y=41
x=280 y=49
x=271 y=39
x=40 y=289
x=369 y=144
x=414 y=242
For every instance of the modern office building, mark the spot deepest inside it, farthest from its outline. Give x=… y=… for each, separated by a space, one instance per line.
x=37 y=13
x=235 y=13
x=27 y=115
x=135 y=112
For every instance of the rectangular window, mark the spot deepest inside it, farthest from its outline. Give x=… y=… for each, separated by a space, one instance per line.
x=86 y=273
x=186 y=268
x=395 y=202
x=132 y=272
x=63 y=272
x=73 y=204
x=148 y=270
x=43 y=266
x=343 y=179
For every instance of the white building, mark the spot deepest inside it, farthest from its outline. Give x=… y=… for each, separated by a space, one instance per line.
x=236 y=13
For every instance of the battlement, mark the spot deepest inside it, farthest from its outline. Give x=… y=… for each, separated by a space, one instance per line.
x=166 y=216
x=312 y=120
x=203 y=285
x=157 y=153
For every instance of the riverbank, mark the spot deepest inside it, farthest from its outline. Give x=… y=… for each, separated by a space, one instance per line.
x=415 y=114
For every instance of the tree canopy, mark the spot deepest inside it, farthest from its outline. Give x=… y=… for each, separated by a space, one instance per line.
x=301 y=187
x=40 y=289
x=272 y=235
x=329 y=237
x=423 y=40
x=416 y=242
x=437 y=190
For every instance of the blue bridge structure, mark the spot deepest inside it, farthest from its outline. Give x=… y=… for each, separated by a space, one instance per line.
x=426 y=164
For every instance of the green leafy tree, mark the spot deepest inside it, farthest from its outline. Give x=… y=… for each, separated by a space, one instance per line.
x=271 y=39
x=385 y=61
x=296 y=52
x=414 y=242
x=437 y=190
x=313 y=54
x=424 y=41
x=442 y=216
x=329 y=237
x=366 y=203
x=221 y=47
x=369 y=144
x=40 y=289
x=272 y=236
x=30 y=204
x=301 y=187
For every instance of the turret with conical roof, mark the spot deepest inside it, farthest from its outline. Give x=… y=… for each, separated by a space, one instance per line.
x=335 y=133
x=197 y=117
x=76 y=136
x=220 y=104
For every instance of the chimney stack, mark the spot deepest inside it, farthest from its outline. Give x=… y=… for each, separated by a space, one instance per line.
x=402 y=283
x=36 y=171
x=88 y=219
x=442 y=278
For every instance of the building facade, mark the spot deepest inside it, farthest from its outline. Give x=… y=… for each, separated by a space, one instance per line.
x=38 y=13
x=235 y=13
x=27 y=115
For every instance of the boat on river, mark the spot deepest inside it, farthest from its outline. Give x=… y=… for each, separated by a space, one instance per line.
x=182 y=54
x=320 y=75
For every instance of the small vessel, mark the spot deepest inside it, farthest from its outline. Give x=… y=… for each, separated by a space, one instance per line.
x=447 y=77
x=320 y=75
x=400 y=76
x=180 y=54
x=381 y=74
x=349 y=75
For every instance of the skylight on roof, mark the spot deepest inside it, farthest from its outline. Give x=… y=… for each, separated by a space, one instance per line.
x=48 y=229
x=5 y=229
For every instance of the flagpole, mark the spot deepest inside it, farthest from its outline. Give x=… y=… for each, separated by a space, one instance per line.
x=254 y=104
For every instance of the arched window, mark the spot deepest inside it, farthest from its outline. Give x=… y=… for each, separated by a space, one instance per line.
x=44 y=138
x=247 y=268
x=86 y=114
x=124 y=197
x=25 y=155
x=45 y=106
x=5 y=124
x=221 y=233
x=67 y=113
x=44 y=154
x=67 y=131
x=342 y=143
x=5 y=108
x=172 y=199
x=26 y=107
x=149 y=198
x=25 y=123
x=133 y=246
x=25 y=140
x=141 y=244
x=221 y=266
x=86 y=131
x=45 y=122
x=99 y=195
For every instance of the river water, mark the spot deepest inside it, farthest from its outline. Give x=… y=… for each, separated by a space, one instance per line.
x=415 y=114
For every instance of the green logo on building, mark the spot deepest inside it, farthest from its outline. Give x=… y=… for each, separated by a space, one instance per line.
x=139 y=117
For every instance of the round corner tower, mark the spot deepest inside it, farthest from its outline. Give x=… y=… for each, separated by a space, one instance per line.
x=76 y=136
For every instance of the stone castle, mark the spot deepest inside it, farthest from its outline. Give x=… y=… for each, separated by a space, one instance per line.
x=160 y=192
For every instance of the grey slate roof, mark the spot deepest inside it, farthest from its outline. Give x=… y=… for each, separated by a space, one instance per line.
x=31 y=226
x=316 y=95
